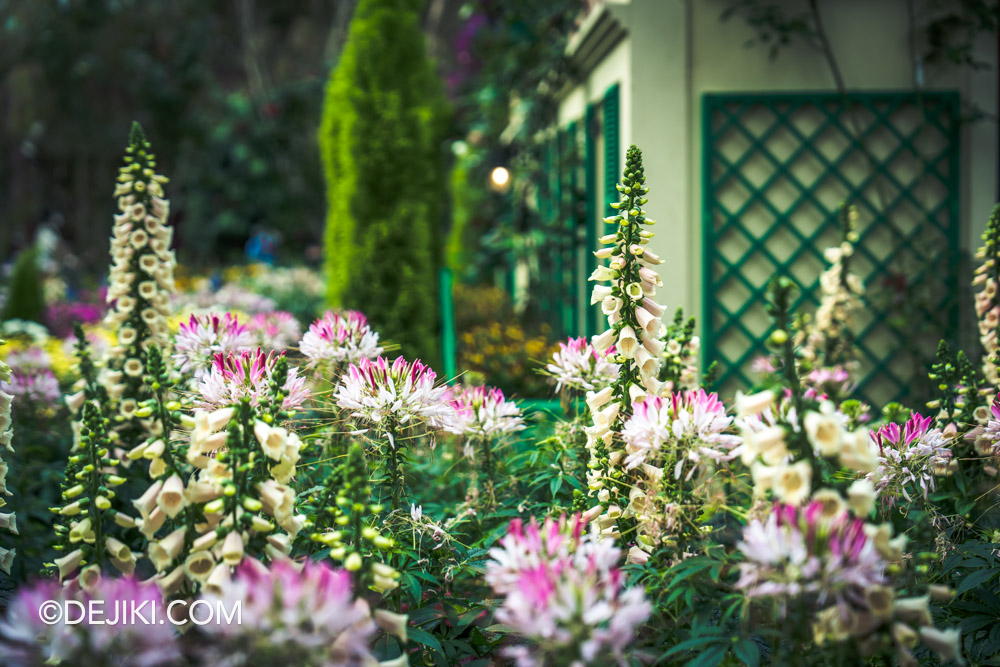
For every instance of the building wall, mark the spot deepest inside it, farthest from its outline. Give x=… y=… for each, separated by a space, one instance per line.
x=678 y=50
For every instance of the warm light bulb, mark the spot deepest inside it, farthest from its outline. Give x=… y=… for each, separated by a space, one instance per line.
x=500 y=177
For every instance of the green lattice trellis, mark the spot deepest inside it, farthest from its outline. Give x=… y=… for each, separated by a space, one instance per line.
x=775 y=169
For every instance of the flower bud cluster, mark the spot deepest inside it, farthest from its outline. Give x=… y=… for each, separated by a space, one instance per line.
x=635 y=328
x=87 y=522
x=345 y=520
x=988 y=297
x=141 y=282
x=8 y=521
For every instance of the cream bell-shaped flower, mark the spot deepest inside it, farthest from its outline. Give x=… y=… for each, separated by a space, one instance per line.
x=272 y=439
x=68 y=563
x=171 y=582
x=152 y=523
x=831 y=503
x=218 y=580
x=768 y=443
x=278 y=499
x=792 y=482
x=232 y=548
x=861 y=497
x=649 y=323
x=824 y=430
x=171 y=497
x=857 y=452
x=627 y=342
x=164 y=552
x=603 y=341
x=753 y=404
x=199 y=565
x=146 y=503
x=648 y=365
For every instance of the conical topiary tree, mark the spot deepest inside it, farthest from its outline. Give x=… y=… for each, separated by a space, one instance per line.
x=380 y=141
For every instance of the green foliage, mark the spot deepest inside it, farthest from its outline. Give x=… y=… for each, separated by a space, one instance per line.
x=959 y=387
x=24 y=294
x=380 y=143
x=973 y=568
x=469 y=199
x=72 y=74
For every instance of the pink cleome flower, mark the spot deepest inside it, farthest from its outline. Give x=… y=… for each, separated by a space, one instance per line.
x=248 y=373
x=578 y=366
x=203 y=336
x=799 y=552
x=484 y=412
x=32 y=387
x=909 y=458
x=124 y=628
x=692 y=423
x=562 y=585
x=304 y=612
x=400 y=393
x=340 y=337
x=275 y=330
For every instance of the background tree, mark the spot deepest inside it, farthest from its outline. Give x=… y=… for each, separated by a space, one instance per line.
x=381 y=147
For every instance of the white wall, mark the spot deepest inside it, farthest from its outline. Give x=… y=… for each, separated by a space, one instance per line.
x=870 y=43
x=678 y=50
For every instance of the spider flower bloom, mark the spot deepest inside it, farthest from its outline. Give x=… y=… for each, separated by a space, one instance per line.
x=26 y=639
x=203 y=336
x=577 y=366
x=33 y=387
x=306 y=616
x=564 y=590
x=399 y=393
x=799 y=552
x=340 y=337
x=691 y=423
x=485 y=413
x=275 y=330
x=909 y=457
x=248 y=373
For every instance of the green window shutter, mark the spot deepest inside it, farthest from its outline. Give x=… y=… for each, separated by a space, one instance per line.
x=568 y=248
x=592 y=315
x=612 y=147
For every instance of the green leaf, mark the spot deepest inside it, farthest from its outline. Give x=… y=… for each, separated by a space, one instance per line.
x=691 y=644
x=710 y=658
x=973 y=580
x=748 y=652
x=425 y=638
x=974 y=623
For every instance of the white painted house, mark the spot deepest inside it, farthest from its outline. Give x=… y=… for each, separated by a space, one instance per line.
x=748 y=158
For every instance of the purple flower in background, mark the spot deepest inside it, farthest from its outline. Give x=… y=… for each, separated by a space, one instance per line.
x=579 y=367
x=403 y=392
x=340 y=337
x=62 y=315
x=563 y=589
x=275 y=330
x=37 y=386
x=484 y=412
x=799 y=551
x=302 y=616
x=32 y=383
x=133 y=640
